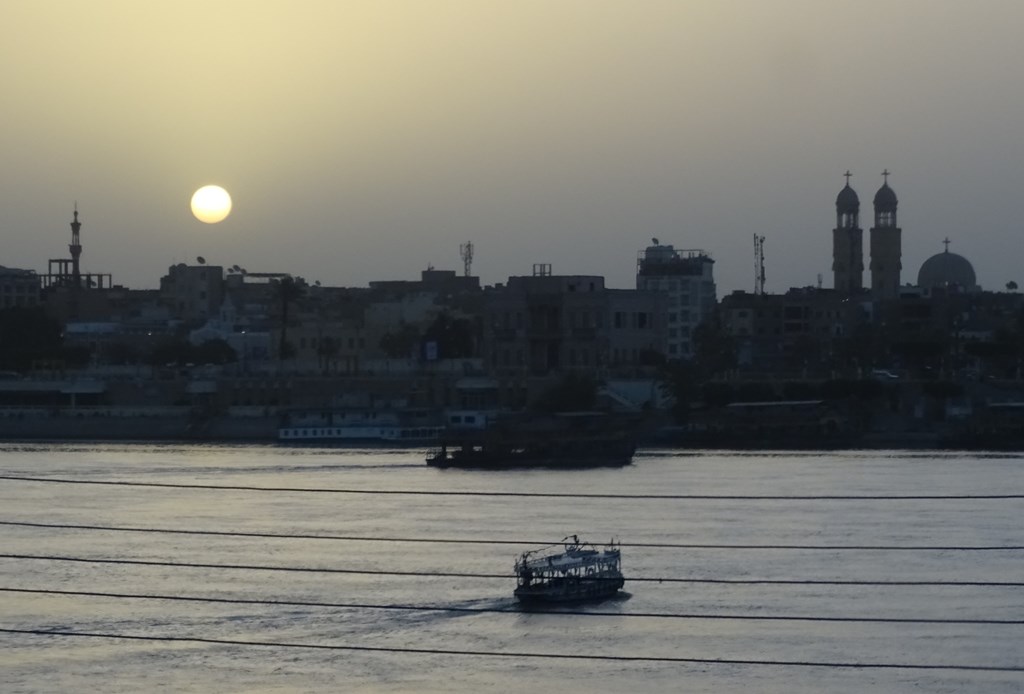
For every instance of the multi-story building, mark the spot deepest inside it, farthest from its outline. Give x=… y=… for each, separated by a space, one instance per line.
x=637 y=333
x=18 y=287
x=193 y=293
x=686 y=279
x=547 y=323
x=786 y=330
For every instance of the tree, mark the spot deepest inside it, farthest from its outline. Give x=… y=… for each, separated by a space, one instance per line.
x=171 y=351
x=679 y=381
x=1011 y=286
x=121 y=353
x=287 y=291
x=453 y=336
x=28 y=334
x=715 y=350
x=214 y=352
x=575 y=392
x=401 y=344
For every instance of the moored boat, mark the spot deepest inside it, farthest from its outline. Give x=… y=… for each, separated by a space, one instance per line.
x=563 y=440
x=573 y=571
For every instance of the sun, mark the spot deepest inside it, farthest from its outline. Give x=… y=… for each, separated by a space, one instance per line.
x=211 y=204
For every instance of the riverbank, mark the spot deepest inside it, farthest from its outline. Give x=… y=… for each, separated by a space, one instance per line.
x=183 y=428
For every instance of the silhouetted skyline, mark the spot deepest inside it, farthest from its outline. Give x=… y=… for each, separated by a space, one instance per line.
x=369 y=139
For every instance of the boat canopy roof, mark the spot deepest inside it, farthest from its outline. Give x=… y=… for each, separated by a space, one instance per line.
x=567 y=557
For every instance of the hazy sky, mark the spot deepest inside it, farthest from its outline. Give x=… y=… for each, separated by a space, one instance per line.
x=367 y=139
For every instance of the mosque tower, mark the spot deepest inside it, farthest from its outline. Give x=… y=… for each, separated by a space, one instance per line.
x=76 y=250
x=886 y=249
x=847 y=242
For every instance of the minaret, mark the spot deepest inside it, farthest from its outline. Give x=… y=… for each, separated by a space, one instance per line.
x=847 y=242
x=886 y=244
x=76 y=250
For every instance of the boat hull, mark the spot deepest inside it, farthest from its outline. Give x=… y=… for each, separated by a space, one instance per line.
x=567 y=440
x=490 y=461
x=569 y=591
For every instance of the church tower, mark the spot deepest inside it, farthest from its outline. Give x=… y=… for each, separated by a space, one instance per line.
x=847 y=242
x=886 y=245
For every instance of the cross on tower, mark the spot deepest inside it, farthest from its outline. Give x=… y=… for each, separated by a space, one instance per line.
x=885 y=176
x=847 y=174
x=946 y=242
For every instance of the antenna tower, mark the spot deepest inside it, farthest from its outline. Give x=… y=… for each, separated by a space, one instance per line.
x=758 y=264
x=466 y=251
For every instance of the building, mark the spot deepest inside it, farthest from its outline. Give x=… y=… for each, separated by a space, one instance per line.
x=193 y=293
x=686 y=279
x=637 y=330
x=18 y=287
x=798 y=329
x=886 y=248
x=885 y=244
x=67 y=272
x=546 y=323
x=948 y=271
x=440 y=282
x=847 y=243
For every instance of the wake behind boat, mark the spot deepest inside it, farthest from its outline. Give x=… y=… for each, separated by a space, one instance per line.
x=571 y=572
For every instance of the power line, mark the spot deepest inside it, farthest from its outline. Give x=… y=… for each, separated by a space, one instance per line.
x=512 y=610
x=532 y=543
x=502 y=576
x=539 y=495
x=522 y=654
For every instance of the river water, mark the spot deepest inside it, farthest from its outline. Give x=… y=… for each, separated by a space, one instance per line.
x=789 y=572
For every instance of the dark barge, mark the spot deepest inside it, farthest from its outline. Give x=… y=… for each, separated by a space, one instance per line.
x=565 y=440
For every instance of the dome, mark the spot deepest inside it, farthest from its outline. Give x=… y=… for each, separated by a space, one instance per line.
x=885 y=197
x=847 y=200
x=947 y=270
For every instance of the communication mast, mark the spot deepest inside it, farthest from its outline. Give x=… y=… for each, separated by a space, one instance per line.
x=466 y=251
x=758 y=264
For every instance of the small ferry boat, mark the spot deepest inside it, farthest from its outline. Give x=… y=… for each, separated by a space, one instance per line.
x=570 y=572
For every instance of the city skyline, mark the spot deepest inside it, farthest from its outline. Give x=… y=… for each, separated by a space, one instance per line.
x=365 y=141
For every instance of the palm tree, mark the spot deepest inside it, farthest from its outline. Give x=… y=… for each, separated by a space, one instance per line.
x=287 y=291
